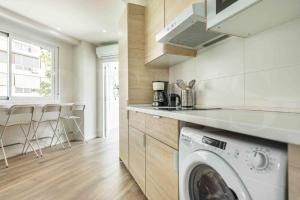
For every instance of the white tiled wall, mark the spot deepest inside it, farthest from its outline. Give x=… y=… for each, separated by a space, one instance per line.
x=260 y=71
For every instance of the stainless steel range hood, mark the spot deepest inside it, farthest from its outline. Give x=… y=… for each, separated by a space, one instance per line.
x=189 y=29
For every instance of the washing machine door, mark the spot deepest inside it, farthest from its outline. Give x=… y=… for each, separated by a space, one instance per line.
x=206 y=176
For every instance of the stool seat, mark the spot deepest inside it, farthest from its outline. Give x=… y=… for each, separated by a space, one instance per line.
x=13 y=124
x=43 y=120
x=75 y=119
x=50 y=113
x=13 y=119
x=70 y=117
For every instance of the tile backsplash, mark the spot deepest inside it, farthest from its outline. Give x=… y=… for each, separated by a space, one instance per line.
x=262 y=71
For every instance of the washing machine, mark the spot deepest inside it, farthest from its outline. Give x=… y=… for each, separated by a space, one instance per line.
x=220 y=165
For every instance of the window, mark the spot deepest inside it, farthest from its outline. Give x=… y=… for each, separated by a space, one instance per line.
x=26 y=69
x=3 y=65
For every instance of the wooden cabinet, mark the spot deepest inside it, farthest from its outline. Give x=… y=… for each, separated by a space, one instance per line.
x=123 y=79
x=154 y=21
x=294 y=172
x=137 y=157
x=154 y=163
x=134 y=77
x=163 y=129
x=158 y=54
x=174 y=7
x=137 y=120
x=161 y=171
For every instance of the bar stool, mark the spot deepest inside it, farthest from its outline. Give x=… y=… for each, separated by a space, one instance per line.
x=47 y=113
x=74 y=118
x=69 y=110
x=25 y=112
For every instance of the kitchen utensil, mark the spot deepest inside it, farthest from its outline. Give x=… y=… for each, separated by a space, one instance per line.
x=181 y=84
x=175 y=100
x=192 y=83
x=187 y=98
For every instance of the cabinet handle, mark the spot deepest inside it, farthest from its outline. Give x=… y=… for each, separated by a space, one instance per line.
x=144 y=140
x=176 y=161
x=156 y=117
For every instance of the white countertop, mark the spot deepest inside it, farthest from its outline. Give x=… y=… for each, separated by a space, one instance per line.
x=278 y=126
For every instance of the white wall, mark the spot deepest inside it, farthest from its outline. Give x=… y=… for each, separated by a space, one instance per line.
x=77 y=81
x=100 y=98
x=261 y=71
x=65 y=54
x=104 y=54
x=13 y=135
x=84 y=85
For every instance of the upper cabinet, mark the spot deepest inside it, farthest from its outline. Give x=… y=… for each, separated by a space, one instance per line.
x=247 y=17
x=174 y=7
x=154 y=22
x=158 y=54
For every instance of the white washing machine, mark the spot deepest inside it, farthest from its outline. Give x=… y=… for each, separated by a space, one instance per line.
x=219 y=165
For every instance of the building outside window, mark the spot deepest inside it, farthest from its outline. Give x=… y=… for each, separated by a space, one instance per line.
x=31 y=71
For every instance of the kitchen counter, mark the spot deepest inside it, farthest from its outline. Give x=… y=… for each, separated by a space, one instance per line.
x=277 y=126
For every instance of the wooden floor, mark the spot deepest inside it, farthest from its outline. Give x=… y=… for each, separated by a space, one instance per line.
x=86 y=172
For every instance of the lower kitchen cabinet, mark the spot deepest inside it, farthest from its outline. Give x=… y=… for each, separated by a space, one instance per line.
x=294 y=172
x=161 y=171
x=163 y=129
x=137 y=156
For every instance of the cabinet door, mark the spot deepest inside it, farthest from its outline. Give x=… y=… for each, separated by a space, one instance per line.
x=294 y=172
x=163 y=129
x=174 y=7
x=137 y=156
x=154 y=22
x=123 y=80
x=161 y=171
x=137 y=120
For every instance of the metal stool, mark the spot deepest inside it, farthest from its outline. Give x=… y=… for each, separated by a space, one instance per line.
x=69 y=110
x=22 y=111
x=74 y=118
x=47 y=110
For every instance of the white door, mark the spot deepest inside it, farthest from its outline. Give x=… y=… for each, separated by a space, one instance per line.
x=111 y=99
x=206 y=176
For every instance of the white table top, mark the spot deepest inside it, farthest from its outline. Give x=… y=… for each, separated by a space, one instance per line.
x=278 y=126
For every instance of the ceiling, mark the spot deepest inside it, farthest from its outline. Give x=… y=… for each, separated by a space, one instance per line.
x=95 y=21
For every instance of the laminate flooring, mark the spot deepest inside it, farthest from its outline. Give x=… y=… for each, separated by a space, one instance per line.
x=85 y=172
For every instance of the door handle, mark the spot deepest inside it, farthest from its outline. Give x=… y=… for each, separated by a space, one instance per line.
x=156 y=117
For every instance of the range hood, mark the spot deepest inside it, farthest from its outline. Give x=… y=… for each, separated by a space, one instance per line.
x=189 y=29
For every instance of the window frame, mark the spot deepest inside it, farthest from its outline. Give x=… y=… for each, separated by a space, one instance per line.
x=8 y=60
x=55 y=70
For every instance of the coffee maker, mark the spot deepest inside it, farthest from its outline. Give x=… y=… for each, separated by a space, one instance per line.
x=160 y=93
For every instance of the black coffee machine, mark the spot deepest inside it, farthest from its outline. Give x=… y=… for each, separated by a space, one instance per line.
x=160 y=93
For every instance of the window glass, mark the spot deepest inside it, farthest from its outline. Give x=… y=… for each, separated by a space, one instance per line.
x=206 y=184
x=3 y=65
x=32 y=69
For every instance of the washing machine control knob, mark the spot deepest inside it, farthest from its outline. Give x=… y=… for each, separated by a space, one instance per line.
x=259 y=160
